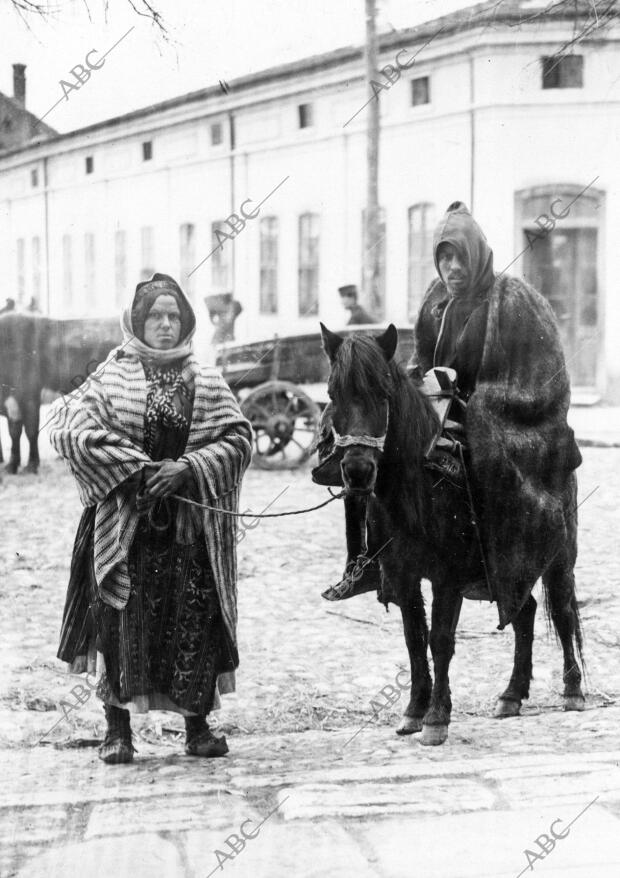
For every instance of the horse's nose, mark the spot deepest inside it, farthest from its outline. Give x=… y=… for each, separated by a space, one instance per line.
x=358 y=472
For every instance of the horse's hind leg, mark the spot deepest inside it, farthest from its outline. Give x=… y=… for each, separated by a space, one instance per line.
x=15 y=432
x=559 y=582
x=509 y=702
x=446 y=610
x=416 y=638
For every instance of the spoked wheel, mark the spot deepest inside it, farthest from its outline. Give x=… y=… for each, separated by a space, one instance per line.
x=285 y=421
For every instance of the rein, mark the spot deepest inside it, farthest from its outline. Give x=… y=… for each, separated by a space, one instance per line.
x=257 y=514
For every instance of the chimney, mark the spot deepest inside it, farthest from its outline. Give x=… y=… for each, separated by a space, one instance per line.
x=19 y=83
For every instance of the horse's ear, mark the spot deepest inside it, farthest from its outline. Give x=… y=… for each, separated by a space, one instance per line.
x=388 y=341
x=331 y=342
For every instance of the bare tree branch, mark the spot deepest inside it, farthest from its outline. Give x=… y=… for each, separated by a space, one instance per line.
x=143 y=8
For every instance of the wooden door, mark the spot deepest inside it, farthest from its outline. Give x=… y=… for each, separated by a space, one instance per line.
x=562 y=267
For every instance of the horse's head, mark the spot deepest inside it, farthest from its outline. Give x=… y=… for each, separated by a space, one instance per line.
x=359 y=387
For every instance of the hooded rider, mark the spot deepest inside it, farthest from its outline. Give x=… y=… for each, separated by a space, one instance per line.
x=452 y=326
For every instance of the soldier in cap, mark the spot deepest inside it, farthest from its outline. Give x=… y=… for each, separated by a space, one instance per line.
x=358 y=315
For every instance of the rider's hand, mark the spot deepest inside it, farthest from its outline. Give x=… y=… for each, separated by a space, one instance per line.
x=169 y=478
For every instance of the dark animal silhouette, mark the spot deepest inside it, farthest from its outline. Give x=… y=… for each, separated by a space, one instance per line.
x=38 y=353
x=420 y=524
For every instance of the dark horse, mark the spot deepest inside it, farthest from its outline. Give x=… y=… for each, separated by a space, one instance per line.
x=39 y=353
x=420 y=524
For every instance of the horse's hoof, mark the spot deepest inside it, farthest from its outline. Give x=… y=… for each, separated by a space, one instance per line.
x=506 y=707
x=408 y=725
x=574 y=702
x=432 y=736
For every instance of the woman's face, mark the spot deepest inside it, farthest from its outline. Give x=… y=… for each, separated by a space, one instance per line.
x=162 y=327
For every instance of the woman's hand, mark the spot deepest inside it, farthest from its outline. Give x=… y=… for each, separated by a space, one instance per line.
x=133 y=482
x=169 y=478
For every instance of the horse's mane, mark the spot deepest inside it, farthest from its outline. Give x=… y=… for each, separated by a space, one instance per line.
x=361 y=370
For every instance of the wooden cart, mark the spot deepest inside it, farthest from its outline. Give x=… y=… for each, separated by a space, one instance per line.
x=281 y=384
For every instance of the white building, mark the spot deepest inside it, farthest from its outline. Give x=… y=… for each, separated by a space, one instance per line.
x=492 y=111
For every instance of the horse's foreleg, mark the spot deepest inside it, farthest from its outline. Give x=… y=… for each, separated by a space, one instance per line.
x=416 y=638
x=509 y=702
x=445 y=616
x=31 y=426
x=355 y=524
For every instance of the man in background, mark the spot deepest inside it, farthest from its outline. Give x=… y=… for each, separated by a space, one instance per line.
x=358 y=315
x=223 y=311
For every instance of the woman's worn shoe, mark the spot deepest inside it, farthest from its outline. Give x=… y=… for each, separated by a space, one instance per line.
x=359 y=576
x=117 y=747
x=200 y=740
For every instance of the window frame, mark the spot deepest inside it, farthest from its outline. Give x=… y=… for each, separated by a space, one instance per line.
x=269 y=240
x=120 y=265
x=305 y=115
x=417 y=79
x=308 y=264
x=216 y=126
x=187 y=256
x=560 y=69
x=423 y=265
x=221 y=269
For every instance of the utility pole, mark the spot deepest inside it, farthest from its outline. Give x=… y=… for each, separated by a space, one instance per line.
x=371 y=290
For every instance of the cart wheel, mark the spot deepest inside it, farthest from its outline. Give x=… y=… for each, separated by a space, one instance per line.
x=285 y=421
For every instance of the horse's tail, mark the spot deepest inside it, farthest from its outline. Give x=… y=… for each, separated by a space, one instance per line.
x=562 y=608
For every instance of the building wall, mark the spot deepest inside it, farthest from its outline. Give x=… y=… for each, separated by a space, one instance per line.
x=489 y=132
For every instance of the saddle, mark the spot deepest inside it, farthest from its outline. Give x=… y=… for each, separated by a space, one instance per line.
x=447 y=445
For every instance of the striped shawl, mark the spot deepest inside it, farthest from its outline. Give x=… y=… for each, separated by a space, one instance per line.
x=99 y=430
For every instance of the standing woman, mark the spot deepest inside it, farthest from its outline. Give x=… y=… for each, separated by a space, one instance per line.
x=151 y=604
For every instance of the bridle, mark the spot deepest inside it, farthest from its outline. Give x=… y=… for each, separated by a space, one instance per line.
x=377 y=442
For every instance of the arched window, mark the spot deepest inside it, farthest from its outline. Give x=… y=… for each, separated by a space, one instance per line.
x=558 y=230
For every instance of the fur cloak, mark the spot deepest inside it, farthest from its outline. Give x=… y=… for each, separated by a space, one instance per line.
x=522 y=451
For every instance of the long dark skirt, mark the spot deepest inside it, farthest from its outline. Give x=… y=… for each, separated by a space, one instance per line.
x=169 y=640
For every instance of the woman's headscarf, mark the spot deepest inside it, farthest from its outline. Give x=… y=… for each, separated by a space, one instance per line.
x=134 y=317
x=459 y=228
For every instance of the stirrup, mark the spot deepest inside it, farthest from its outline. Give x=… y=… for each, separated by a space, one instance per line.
x=360 y=576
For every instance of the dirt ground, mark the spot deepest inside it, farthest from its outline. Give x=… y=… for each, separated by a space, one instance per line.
x=306 y=664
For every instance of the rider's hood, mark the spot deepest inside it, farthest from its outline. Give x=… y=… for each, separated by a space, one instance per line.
x=459 y=228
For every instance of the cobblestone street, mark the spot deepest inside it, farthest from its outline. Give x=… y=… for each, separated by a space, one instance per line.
x=343 y=794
